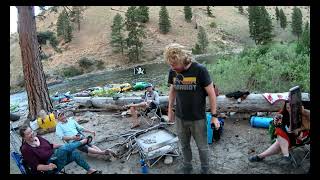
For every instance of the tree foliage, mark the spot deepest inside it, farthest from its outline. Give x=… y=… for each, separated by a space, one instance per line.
x=64 y=28
x=260 y=25
x=143 y=14
x=135 y=34
x=277 y=14
x=303 y=45
x=187 y=13
x=296 y=22
x=203 y=41
x=164 y=21
x=117 y=34
x=240 y=8
x=209 y=13
x=266 y=68
x=283 y=19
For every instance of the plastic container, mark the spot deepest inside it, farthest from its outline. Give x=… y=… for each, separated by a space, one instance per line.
x=140 y=85
x=262 y=122
x=144 y=167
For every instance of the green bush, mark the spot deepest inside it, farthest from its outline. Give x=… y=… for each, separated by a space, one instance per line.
x=213 y=25
x=100 y=64
x=71 y=71
x=104 y=93
x=272 y=68
x=47 y=35
x=85 y=63
x=44 y=56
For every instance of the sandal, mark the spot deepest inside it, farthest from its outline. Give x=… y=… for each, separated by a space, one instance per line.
x=89 y=140
x=96 y=172
x=134 y=126
x=110 y=152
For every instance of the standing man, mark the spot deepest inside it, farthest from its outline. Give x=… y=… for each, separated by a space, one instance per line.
x=190 y=83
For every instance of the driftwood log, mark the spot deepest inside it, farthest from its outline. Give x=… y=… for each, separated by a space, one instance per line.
x=253 y=103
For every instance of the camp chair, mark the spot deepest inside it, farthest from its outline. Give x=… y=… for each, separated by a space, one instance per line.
x=152 y=113
x=296 y=122
x=305 y=147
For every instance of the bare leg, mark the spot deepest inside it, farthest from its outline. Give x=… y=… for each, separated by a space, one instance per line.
x=134 y=116
x=283 y=145
x=273 y=149
x=96 y=151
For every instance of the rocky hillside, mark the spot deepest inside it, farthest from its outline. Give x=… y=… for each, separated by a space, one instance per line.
x=92 y=41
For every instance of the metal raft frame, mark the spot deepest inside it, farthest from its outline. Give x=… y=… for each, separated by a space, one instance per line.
x=154 y=153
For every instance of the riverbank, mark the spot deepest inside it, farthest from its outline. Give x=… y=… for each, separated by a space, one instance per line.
x=228 y=156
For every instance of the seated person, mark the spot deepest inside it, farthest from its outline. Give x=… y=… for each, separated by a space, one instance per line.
x=69 y=130
x=42 y=156
x=285 y=140
x=151 y=100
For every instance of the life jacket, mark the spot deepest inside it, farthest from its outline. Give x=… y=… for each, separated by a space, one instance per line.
x=48 y=122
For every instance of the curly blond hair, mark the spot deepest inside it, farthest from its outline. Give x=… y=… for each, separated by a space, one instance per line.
x=177 y=54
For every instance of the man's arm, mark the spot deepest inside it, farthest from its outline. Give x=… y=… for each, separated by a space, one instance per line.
x=55 y=146
x=156 y=98
x=88 y=131
x=213 y=103
x=43 y=167
x=172 y=97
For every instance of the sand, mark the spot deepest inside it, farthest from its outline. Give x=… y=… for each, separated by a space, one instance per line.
x=227 y=156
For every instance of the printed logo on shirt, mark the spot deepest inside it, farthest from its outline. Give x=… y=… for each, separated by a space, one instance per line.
x=185 y=83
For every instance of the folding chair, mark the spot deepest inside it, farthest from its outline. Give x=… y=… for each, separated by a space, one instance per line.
x=305 y=147
x=17 y=156
x=152 y=113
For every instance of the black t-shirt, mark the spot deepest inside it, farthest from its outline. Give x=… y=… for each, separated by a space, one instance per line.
x=190 y=93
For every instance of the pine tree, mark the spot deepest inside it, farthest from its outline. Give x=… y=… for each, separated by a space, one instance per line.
x=203 y=41
x=187 y=13
x=64 y=28
x=253 y=12
x=164 y=22
x=196 y=49
x=303 y=45
x=76 y=15
x=35 y=81
x=60 y=24
x=306 y=36
x=68 y=36
x=260 y=25
x=209 y=11
x=135 y=34
x=296 y=22
x=143 y=14
x=283 y=19
x=240 y=9
x=117 y=36
x=265 y=27
x=277 y=13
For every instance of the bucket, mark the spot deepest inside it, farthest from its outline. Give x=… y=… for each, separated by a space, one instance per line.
x=209 y=129
x=262 y=122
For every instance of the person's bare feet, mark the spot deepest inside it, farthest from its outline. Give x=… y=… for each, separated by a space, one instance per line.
x=93 y=171
x=134 y=126
x=110 y=152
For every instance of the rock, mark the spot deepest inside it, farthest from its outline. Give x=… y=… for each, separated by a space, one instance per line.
x=165 y=117
x=168 y=160
x=88 y=115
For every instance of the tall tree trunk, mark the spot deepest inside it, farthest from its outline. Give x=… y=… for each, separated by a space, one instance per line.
x=35 y=83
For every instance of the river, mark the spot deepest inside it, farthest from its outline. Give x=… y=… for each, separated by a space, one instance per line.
x=156 y=74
